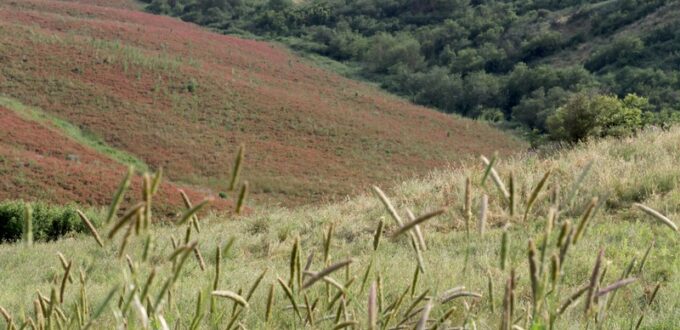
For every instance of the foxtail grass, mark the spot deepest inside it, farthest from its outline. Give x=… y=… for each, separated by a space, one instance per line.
x=468 y=204
x=408 y=226
x=28 y=225
x=483 y=213
x=326 y=271
x=496 y=178
x=231 y=296
x=243 y=194
x=120 y=193
x=236 y=170
x=583 y=223
x=656 y=215
x=191 y=212
x=647 y=304
x=91 y=228
x=372 y=307
x=534 y=194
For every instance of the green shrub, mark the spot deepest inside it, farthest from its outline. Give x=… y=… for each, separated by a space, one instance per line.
x=49 y=222
x=623 y=51
x=587 y=116
x=192 y=85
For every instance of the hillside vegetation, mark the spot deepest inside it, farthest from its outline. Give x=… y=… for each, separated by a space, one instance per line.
x=46 y=160
x=515 y=61
x=382 y=279
x=115 y=86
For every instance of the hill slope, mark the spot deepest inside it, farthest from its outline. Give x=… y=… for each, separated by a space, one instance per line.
x=623 y=172
x=513 y=60
x=176 y=96
x=40 y=161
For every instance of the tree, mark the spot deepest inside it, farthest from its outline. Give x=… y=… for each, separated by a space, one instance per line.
x=621 y=52
x=279 y=4
x=386 y=51
x=533 y=110
x=588 y=115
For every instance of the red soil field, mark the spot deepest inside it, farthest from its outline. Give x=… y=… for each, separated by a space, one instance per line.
x=36 y=162
x=179 y=96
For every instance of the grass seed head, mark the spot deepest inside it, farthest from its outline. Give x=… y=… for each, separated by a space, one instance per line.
x=656 y=215
x=236 y=171
x=120 y=193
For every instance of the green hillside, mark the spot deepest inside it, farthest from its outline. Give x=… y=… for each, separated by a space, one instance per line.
x=499 y=60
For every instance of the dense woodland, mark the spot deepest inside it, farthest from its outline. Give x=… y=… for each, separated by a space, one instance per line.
x=512 y=61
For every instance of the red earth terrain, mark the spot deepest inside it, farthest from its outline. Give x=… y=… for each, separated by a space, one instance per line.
x=181 y=97
x=37 y=162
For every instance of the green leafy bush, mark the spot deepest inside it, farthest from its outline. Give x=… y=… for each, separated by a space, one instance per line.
x=587 y=116
x=622 y=52
x=49 y=222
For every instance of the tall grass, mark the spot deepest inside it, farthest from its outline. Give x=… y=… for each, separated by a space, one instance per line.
x=540 y=270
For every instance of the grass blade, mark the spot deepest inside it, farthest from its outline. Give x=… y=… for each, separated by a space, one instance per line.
x=191 y=212
x=496 y=178
x=156 y=181
x=422 y=323
x=28 y=225
x=378 y=235
x=129 y=215
x=388 y=205
x=577 y=184
x=483 y=210
x=416 y=230
x=270 y=303
x=417 y=221
x=236 y=171
x=90 y=227
x=256 y=284
x=489 y=167
x=614 y=286
x=118 y=197
x=593 y=286
x=655 y=214
x=535 y=192
x=327 y=271
x=243 y=194
x=587 y=215
x=291 y=297
x=372 y=307
x=232 y=296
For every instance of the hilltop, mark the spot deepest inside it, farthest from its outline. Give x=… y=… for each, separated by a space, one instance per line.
x=155 y=92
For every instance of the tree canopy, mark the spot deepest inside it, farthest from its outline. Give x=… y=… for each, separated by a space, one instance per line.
x=518 y=60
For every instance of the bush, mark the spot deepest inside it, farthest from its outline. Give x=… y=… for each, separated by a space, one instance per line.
x=622 y=52
x=49 y=222
x=587 y=116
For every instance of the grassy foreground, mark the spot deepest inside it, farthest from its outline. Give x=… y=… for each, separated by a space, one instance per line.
x=379 y=286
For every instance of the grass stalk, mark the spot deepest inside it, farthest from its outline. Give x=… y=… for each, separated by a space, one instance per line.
x=91 y=228
x=658 y=216
x=28 y=225
x=236 y=170
x=120 y=193
x=534 y=194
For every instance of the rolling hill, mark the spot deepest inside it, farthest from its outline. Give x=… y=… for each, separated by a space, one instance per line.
x=157 y=92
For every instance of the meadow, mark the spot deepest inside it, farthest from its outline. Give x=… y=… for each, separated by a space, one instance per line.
x=570 y=238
